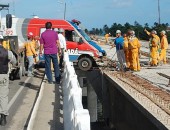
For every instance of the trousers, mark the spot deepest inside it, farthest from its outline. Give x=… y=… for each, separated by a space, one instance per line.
x=54 y=58
x=154 y=56
x=134 y=62
x=4 y=91
x=163 y=56
x=31 y=64
x=121 y=59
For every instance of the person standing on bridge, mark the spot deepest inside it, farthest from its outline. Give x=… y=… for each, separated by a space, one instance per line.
x=134 y=50
x=126 y=50
x=62 y=42
x=29 y=46
x=5 y=57
x=49 y=41
x=154 y=47
x=107 y=37
x=163 y=46
x=119 y=43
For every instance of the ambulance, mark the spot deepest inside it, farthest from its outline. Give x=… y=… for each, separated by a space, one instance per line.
x=81 y=52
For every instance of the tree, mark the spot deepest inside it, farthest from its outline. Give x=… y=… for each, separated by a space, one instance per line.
x=101 y=31
x=127 y=26
x=97 y=31
x=146 y=25
x=138 y=28
x=106 y=29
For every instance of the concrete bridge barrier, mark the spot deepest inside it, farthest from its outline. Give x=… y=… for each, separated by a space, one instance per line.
x=75 y=117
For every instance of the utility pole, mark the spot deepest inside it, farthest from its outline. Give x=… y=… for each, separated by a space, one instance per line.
x=65 y=6
x=159 y=14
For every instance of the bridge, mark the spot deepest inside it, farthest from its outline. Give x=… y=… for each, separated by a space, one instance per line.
x=97 y=99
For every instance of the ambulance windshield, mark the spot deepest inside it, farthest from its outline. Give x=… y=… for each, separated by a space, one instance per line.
x=84 y=35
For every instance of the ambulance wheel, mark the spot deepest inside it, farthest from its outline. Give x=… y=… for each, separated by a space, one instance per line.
x=85 y=63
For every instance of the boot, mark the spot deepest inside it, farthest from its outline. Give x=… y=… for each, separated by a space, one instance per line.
x=3 y=120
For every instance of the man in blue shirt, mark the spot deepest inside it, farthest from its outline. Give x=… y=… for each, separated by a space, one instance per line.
x=119 y=43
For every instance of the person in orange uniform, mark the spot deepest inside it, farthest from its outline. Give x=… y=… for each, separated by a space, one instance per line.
x=126 y=50
x=107 y=37
x=134 y=49
x=154 y=47
x=36 y=45
x=30 y=52
x=163 y=46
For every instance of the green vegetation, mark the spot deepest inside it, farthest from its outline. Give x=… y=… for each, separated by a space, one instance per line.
x=139 y=29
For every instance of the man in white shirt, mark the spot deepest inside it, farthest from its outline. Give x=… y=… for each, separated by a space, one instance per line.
x=62 y=42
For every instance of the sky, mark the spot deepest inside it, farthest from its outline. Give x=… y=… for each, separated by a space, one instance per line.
x=92 y=13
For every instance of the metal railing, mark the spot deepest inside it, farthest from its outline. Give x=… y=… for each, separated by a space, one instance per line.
x=75 y=117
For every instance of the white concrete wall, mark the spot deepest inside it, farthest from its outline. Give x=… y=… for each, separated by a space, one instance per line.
x=75 y=117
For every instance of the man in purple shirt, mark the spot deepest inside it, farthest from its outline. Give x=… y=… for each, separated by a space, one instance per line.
x=49 y=41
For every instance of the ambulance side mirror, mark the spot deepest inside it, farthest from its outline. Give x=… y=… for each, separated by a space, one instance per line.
x=8 y=21
x=80 y=40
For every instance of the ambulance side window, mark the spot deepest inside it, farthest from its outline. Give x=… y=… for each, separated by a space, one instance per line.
x=68 y=35
x=75 y=37
x=71 y=36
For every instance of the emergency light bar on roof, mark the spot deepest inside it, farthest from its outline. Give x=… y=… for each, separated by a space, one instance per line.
x=76 y=21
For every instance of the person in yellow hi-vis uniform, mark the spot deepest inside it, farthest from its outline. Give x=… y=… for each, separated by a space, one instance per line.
x=163 y=46
x=107 y=37
x=126 y=50
x=134 y=48
x=6 y=44
x=36 y=45
x=30 y=52
x=154 y=47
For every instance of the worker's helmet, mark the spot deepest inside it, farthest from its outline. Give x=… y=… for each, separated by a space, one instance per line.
x=132 y=33
x=118 y=32
x=56 y=29
x=153 y=32
x=61 y=30
x=37 y=38
x=163 y=32
x=30 y=34
x=1 y=37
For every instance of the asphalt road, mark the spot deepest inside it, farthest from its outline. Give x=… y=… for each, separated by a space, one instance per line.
x=22 y=96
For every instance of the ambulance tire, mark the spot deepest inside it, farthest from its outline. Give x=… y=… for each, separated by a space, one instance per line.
x=85 y=63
